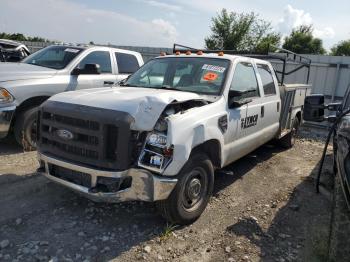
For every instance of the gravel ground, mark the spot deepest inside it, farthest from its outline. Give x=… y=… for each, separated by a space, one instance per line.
x=264 y=209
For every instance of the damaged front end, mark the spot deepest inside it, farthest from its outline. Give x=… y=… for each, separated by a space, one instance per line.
x=104 y=158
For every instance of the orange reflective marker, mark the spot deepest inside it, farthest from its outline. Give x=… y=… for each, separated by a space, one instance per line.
x=210 y=76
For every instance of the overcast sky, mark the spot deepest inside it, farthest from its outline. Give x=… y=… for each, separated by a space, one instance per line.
x=161 y=23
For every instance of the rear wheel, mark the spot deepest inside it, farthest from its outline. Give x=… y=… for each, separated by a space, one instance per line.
x=192 y=192
x=25 y=129
x=288 y=140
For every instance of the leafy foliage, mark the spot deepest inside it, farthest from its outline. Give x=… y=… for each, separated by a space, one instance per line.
x=21 y=37
x=341 y=49
x=302 y=41
x=241 y=32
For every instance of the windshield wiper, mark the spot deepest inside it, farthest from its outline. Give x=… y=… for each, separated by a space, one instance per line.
x=167 y=87
x=124 y=84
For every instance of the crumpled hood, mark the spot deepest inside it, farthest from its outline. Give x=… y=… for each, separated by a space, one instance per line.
x=145 y=105
x=22 y=71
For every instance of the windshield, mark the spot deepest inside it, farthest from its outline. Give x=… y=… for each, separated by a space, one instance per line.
x=56 y=57
x=193 y=74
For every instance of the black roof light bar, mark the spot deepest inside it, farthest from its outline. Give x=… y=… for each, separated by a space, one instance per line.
x=280 y=54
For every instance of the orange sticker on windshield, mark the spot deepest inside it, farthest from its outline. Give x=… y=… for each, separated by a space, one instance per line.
x=210 y=76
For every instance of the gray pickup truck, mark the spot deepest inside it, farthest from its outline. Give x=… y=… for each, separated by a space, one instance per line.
x=55 y=69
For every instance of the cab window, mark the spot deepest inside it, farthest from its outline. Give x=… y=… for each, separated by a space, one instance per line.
x=101 y=58
x=244 y=80
x=127 y=64
x=267 y=80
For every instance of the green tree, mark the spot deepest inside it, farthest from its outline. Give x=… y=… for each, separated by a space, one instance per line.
x=21 y=37
x=302 y=41
x=241 y=32
x=341 y=49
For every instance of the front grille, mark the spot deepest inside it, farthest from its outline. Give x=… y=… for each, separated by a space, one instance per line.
x=85 y=135
x=74 y=150
x=69 y=175
x=87 y=124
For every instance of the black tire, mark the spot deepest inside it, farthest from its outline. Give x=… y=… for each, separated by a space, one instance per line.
x=288 y=140
x=25 y=129
x=185 y=204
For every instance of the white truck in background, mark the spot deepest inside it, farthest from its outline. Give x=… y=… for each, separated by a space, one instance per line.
x=12 y=51
x=52 y=70
x=160 y=136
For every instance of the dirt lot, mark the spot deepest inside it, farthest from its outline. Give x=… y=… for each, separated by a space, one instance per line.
x=265 y=210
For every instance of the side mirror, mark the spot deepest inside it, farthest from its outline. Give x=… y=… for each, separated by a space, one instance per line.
x=233 y=102
x=89 y=69
x=314 y=108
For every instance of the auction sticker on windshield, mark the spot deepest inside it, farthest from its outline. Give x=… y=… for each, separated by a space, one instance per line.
x=214 y=68
x=210 y=76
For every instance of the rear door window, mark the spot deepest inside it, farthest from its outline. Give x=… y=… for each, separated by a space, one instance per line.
x=127 y=63
x=267 y=80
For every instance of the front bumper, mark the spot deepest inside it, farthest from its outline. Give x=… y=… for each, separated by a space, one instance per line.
x=6 y=114
x=145 y=186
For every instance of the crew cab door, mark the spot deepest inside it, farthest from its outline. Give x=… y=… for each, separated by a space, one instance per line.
x=236 y=138
x=256 y=120
x=262 y=121
x=106 y=78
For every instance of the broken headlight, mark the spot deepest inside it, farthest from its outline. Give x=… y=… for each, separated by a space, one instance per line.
x=156 y=155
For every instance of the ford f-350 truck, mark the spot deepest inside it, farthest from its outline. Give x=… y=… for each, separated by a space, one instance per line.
x=162 y=134
x=52 y=70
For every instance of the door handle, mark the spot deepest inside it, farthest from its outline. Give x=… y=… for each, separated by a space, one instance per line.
x=108 y=83
x=262 y=111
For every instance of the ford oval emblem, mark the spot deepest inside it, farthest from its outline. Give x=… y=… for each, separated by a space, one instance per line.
x=64 y=134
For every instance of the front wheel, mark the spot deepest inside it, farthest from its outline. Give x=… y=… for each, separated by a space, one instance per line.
x=25 y=129
x=288 y=140
x=192 y=193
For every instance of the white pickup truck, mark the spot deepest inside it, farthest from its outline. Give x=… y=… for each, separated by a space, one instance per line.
x=55 y=69
x=162 y=134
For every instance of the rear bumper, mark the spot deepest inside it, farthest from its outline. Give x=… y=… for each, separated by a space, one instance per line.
x=6 y=114
x=145 y=186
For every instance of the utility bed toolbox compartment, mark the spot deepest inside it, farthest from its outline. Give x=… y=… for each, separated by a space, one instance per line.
x=292 y=98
